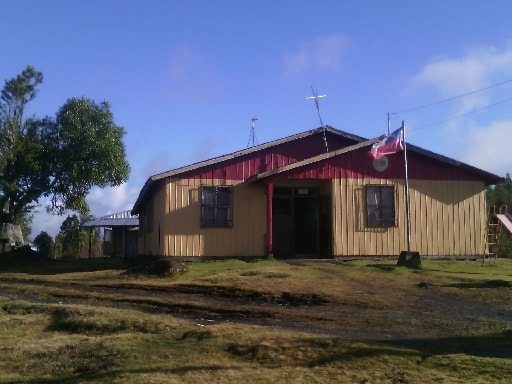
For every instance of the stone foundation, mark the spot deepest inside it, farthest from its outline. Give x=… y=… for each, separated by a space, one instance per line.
x=10 y=237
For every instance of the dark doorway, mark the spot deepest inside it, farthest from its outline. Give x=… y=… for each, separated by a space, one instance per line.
x=282 y=223
x=299 y=223
x=324 y=227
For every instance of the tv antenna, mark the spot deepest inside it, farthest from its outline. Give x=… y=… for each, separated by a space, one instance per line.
x=252 y=136
x=315 y=97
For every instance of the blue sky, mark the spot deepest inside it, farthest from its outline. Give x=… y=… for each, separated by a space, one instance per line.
x=185 y=78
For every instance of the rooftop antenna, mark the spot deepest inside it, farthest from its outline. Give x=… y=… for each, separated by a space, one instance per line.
x=252 y=136
x=315 y=97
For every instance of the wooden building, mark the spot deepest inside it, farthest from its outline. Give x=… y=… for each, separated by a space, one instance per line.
x=317 y=194
x=119 y=234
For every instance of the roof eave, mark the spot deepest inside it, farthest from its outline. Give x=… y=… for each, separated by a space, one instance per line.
x=488 y=177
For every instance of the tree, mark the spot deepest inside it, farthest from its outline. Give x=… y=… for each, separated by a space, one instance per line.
x=500 y=194
x=59 y=158
x=44 y=243
x=72 y=237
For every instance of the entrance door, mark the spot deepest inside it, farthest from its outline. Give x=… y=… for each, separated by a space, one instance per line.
x=306 y=226
x=324 y=224
x=282 y=223
x=296 y=220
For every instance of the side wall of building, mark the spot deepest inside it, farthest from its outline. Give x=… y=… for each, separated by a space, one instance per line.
x=151 y=217
x=448 y=218
x=181 y=231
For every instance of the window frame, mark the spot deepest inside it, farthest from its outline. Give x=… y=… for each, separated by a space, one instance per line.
x=382 y=214
x=216 y=206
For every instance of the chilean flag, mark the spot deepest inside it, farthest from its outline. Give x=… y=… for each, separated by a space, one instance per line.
x=391 y=143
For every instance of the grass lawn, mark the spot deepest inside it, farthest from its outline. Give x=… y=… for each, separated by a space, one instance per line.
x=86 y=321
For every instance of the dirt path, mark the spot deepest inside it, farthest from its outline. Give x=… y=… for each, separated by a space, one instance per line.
x=425 y=310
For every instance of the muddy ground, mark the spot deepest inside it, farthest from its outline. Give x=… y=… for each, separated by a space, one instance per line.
x=426 y=318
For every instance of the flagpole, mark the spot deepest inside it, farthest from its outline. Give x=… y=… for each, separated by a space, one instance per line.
x=407 y=199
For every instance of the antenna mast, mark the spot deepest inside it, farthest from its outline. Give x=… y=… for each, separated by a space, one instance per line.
x=252 y=136
x=315 y=97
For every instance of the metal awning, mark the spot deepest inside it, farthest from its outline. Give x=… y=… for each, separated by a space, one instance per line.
x=121 y=219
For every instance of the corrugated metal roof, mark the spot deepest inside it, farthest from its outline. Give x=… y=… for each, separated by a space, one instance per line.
x=121 y=219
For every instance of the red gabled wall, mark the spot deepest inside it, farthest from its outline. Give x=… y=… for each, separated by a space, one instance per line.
x=242 y=167
x=358 y=164
x=353 y=165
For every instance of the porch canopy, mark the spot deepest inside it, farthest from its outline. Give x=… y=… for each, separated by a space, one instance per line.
x=123 y=221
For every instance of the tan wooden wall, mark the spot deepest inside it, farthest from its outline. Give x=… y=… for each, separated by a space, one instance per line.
x=447 y=218
x=178 y=218
x=150 y=240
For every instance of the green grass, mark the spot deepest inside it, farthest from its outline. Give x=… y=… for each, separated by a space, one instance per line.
x=112 y=337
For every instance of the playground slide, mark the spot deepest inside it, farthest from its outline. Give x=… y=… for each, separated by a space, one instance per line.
x=506 y=220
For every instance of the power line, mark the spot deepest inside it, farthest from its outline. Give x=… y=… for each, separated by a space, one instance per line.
x=453 y=97
x=463 y=114
x=444 y=101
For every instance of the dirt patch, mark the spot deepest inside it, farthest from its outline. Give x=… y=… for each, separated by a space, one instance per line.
x=156 y=267
x=412 y=318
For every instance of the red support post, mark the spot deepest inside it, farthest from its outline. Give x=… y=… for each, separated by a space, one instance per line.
x=270 y=195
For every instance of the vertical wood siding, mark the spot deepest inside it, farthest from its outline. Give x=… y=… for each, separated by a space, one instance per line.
x=182 y=232
x=149 y=241
x=446 y=219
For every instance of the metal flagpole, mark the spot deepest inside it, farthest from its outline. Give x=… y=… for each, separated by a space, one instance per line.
x=407 y=200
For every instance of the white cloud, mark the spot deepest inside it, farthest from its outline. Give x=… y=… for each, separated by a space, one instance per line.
x=106 y=201
x=475 y=124
x=43 y=221
x=471 y=76
x=489 y=147
x=102 y=202
x=478 y=68
x=323 y=53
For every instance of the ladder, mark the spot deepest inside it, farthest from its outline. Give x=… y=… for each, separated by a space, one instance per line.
x=492 y=237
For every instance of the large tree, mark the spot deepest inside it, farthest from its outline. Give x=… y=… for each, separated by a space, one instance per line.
x=72 y=237
x=44 y=243
x=59 y=158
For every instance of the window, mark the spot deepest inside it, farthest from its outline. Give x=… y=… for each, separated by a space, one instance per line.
x=216 y=203
x=380 y=206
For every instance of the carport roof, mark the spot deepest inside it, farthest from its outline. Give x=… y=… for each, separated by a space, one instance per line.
x=121 y=219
